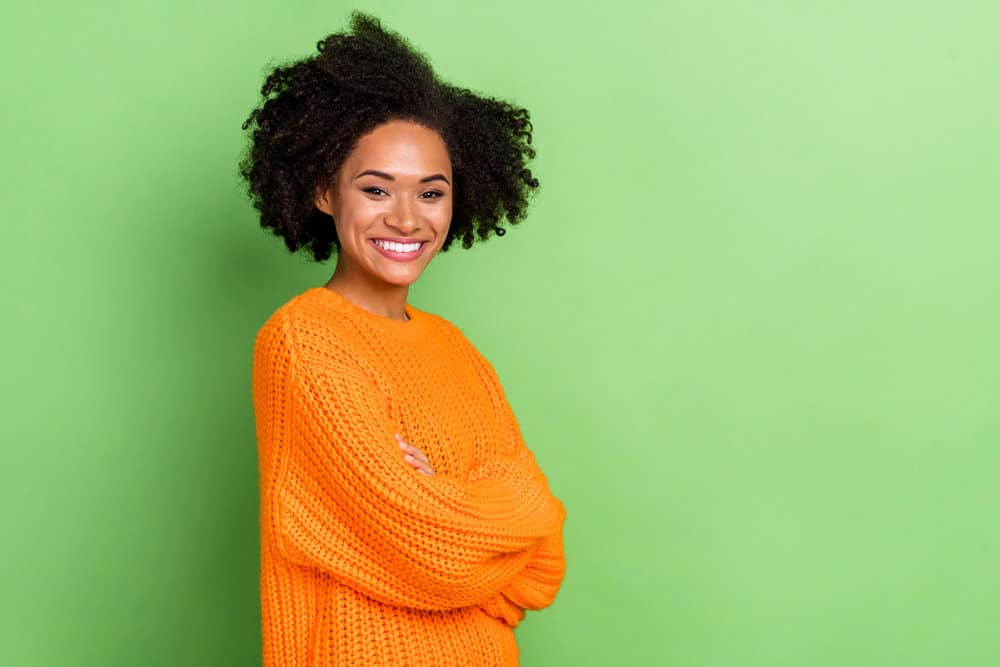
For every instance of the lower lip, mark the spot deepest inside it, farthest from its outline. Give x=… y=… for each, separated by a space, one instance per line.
x=400 y=256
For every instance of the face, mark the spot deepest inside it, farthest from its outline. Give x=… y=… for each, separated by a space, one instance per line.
x=391 y=203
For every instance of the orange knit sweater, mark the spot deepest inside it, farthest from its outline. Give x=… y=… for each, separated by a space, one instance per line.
x=364 y=560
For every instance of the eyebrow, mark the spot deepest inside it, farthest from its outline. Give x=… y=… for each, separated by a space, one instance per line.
x=388 y=177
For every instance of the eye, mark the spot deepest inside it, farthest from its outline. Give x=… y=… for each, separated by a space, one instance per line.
x=375 y=190
x=431 y=194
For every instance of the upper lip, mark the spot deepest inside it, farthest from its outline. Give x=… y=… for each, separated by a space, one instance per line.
x=396 y=239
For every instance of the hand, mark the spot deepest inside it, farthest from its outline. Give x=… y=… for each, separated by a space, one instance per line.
x=415 y=457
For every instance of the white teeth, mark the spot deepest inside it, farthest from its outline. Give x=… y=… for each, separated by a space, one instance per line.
x=392 y=246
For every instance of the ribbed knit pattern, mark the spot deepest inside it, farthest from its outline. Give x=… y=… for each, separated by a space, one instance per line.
x=365 y=560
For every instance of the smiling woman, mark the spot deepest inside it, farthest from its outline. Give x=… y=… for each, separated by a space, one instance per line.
x=403 y=519
x=390 y=219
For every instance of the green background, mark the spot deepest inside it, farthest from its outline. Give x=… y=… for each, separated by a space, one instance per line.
x=750 y=326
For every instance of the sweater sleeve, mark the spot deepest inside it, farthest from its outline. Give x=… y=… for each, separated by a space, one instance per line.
x=535 y=586
x=338 y=497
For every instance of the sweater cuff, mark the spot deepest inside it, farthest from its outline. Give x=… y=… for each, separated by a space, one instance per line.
x=503 y=609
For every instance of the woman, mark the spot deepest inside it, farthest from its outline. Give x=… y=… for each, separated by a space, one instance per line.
x=403 y=520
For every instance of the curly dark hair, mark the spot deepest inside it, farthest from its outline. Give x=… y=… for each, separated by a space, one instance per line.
x=314 y=111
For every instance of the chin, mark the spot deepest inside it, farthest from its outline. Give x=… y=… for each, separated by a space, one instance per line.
x=401 y=281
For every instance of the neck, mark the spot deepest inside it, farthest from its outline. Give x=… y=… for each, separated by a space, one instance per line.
x=381 y=299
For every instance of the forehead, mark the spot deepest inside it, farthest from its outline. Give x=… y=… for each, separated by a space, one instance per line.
x=400 y=148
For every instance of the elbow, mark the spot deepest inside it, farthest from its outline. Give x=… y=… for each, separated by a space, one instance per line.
x=461 y=582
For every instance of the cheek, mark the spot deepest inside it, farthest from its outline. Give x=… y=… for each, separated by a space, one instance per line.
x=355 y=217
x=442 y=218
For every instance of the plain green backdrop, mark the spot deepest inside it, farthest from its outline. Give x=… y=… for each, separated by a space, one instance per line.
x=750 y=326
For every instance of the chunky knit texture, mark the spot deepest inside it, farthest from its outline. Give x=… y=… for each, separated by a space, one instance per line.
x=365 y=560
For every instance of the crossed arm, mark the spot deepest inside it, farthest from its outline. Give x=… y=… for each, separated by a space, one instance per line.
x=338 y=497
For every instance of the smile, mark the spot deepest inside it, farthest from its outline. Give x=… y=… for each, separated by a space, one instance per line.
x=399 y=251
x=398 y=247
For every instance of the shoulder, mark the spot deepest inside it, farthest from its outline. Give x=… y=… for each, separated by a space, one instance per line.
x=449 y=332
x=443 y=327
x=285 y=322
x=303 y=327
x=459 y=343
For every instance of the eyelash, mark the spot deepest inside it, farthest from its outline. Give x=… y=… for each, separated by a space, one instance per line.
x=375 y=190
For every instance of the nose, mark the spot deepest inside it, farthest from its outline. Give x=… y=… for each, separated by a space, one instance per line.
x=403 y=216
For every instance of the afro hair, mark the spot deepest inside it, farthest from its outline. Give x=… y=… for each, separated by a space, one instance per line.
x=314 y=111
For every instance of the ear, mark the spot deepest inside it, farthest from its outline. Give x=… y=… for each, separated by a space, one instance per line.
x=324 y=200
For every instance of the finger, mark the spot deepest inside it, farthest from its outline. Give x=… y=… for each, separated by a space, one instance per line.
x=416 y=451
x=415 y=456
x=421 y=466
x=412 y=449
